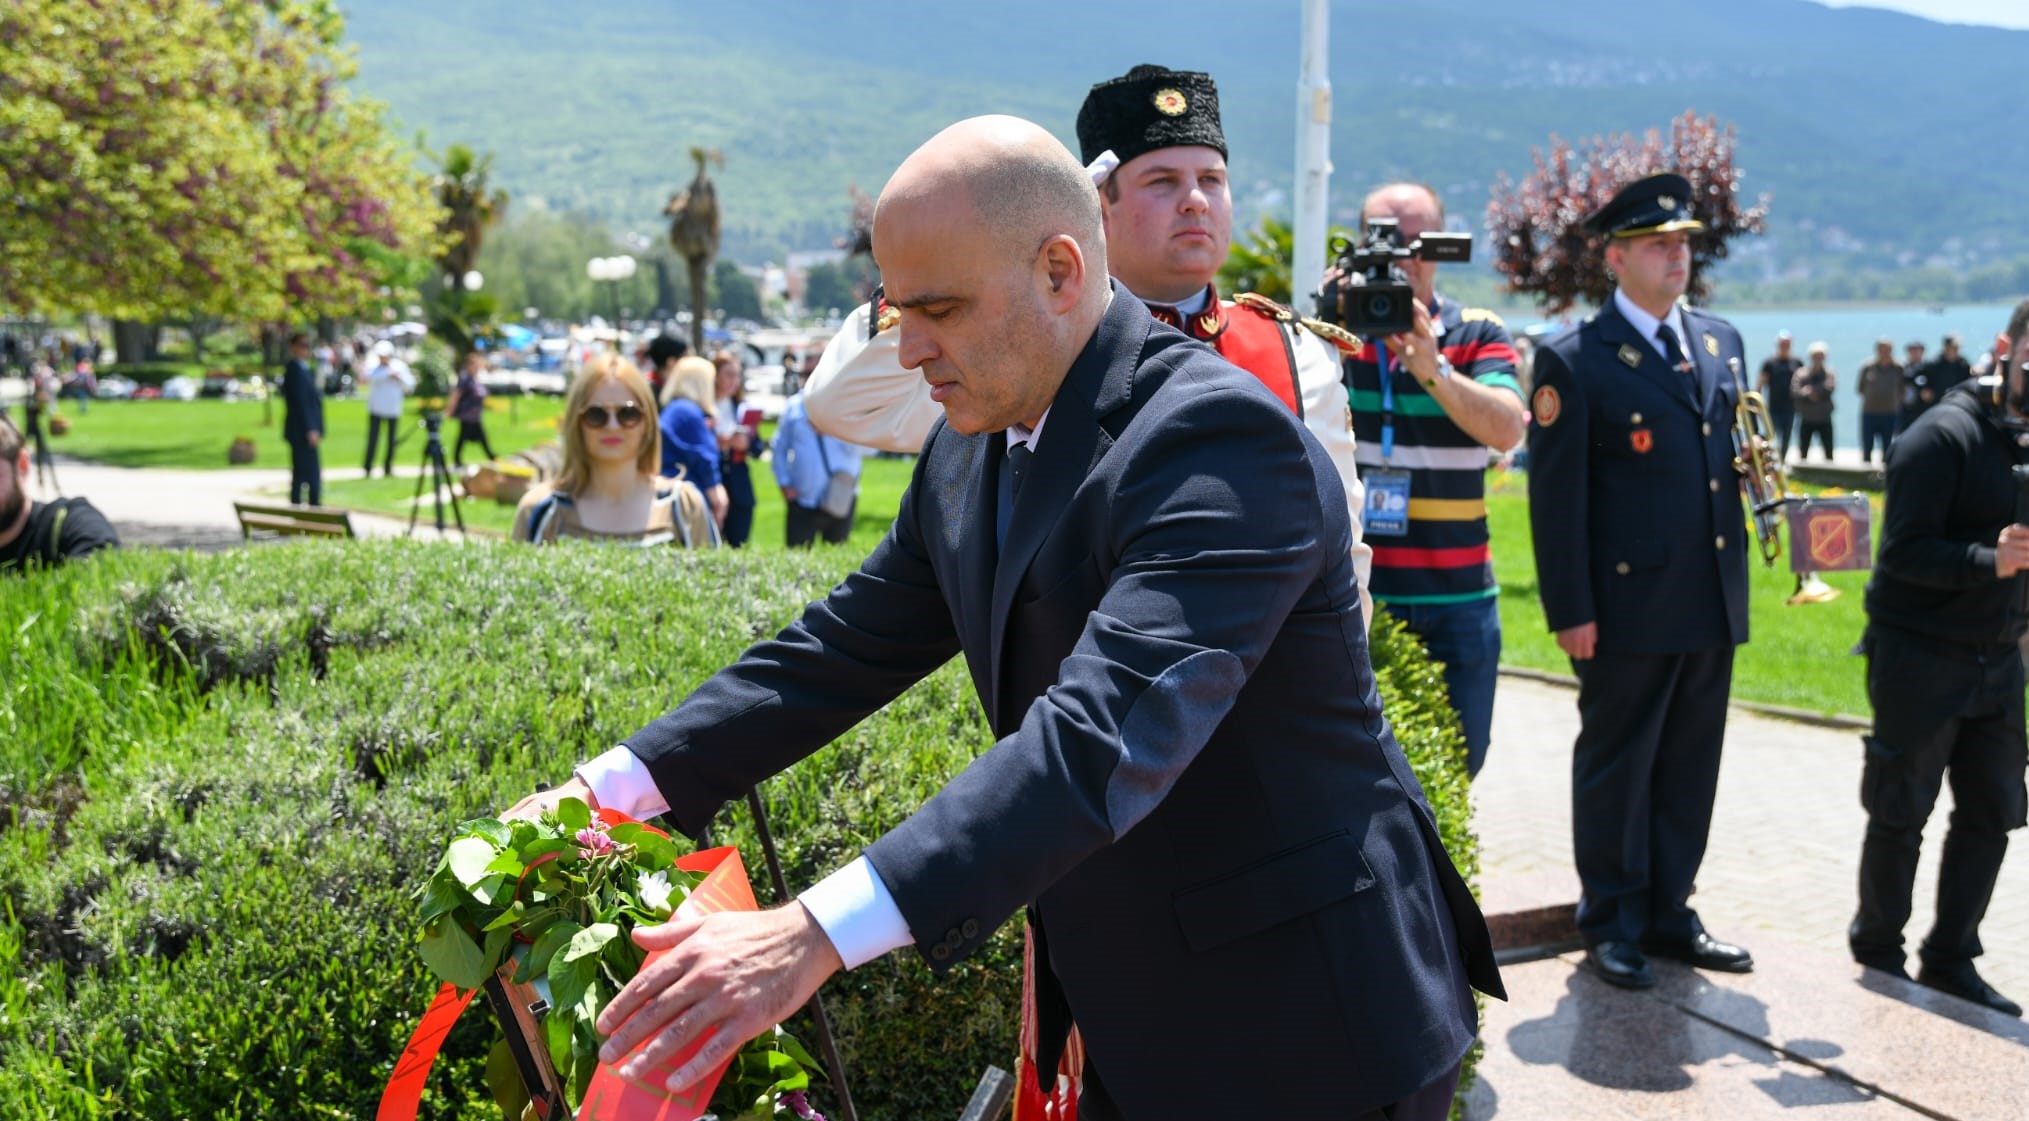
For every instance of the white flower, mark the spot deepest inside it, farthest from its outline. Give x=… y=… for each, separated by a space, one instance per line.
x=654 y=889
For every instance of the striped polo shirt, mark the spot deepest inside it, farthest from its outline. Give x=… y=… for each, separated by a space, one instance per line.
x=1443 y=558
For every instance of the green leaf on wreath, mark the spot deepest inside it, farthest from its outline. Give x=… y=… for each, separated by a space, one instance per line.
x=452 y=954
x=441 y=896
x=589 y=941
x=500 y=833
x=573 y=815
x=504 y=1079
x=468 y=858
x=547 y=944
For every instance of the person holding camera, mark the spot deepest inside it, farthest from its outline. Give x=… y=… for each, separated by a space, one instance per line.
x=1641 y=555
x=387 y=384
x=1428 y=405
x=1945 y=615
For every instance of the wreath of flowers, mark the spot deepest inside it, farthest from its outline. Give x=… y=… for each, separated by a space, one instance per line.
x=558 y=898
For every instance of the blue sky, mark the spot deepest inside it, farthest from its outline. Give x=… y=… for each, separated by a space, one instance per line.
x=1998 y=13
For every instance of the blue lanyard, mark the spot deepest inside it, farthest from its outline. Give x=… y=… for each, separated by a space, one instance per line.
x=1387 y=401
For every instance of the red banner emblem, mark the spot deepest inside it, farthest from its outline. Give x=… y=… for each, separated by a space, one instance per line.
x=1831 y=539
x=1642 y=439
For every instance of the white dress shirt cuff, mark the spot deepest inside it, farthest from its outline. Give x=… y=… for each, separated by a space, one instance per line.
x=856 y=912
x=620 y=780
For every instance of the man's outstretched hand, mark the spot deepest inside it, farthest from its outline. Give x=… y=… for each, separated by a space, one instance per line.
x=734 y=973
x=543 y=801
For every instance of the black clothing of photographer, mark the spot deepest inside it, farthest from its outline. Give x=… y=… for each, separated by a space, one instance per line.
x=1945 y=612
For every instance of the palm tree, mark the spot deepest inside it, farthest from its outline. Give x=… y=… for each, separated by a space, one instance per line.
x=694 y=233
x=468 y=209
x=461 y=317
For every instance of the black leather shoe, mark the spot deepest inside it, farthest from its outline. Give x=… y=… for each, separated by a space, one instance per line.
x=1966 y=984
x=1704 y=952
x=1621 y=963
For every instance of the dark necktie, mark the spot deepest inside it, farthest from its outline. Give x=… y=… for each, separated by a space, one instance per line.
x=1011 y=473
x=1672 y=349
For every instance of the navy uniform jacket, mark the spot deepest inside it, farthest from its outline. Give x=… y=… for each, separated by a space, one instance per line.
x=1194 y=784
x=302 y=403
x=1634 y=502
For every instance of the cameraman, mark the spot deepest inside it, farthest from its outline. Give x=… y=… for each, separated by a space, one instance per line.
x=1448 y=394
x=1945 y=611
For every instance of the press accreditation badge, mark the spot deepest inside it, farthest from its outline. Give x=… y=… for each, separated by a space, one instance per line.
x=1387 y=503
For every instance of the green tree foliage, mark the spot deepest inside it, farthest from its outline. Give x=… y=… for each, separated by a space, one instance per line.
x=734 y=293
x=536 y=258
x=828 y=286
x=1261 y=260
x=1540 y=244
x=194 y=157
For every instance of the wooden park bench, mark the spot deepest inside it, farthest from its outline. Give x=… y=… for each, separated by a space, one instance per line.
x=289 y=520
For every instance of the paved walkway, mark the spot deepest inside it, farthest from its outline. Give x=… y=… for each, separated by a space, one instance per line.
x=177 y=508
x=1785 y=848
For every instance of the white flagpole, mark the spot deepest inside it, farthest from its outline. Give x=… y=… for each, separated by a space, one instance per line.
x=1313 y=156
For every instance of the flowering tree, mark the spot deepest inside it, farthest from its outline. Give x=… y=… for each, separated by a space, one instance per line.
x=202 y=157
x=1539 y=239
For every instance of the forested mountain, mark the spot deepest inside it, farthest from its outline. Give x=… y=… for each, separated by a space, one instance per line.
x=1888 y=142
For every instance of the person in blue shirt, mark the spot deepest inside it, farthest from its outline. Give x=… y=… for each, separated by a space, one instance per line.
x=805 y=462
x=689 y=442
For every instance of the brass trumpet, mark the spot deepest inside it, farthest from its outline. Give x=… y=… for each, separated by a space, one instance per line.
x=1754 y=457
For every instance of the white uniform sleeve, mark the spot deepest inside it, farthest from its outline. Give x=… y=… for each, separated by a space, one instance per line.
x=1327 y=413
x=861 y=394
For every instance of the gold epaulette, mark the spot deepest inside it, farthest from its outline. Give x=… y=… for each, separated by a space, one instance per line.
x=1262 y=305
x=1337 y=336
x=887 y=318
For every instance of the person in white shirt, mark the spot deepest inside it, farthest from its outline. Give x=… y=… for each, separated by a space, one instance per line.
x=388 y=383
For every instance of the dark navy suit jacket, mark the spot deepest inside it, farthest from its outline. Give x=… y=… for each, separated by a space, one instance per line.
x=1634 y=502
x=302 y=402
x=1226 y=850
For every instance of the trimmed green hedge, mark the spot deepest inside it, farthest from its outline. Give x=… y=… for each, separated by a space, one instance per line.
x=223 y=777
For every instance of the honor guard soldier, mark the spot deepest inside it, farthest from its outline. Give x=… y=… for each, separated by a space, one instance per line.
x=1154 y=145
x=1641 y=555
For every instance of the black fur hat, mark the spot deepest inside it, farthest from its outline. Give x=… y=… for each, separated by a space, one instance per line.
x=1150 y=107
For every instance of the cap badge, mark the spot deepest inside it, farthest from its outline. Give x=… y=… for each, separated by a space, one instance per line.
x=1667 y=202
x=1630 y=355
x=1711 y=346
x=1170 y=102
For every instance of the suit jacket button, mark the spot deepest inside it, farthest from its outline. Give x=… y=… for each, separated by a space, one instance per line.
x=1715 y=486
x=969 y=928
x=940 y=952
x=1707 y=427
x=1621 y=568
x=1721 y=543
x=953 y=939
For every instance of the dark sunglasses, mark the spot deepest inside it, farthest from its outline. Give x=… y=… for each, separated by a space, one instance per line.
x=629 y=415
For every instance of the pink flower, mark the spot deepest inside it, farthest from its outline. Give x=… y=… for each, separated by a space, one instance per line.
x=800 y=1106
x=593 y=841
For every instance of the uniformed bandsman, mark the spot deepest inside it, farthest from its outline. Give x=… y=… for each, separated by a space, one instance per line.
x=1641 y=556
x=1153 y=141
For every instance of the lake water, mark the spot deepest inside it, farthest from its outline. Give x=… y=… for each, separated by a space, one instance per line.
x=1849 y=334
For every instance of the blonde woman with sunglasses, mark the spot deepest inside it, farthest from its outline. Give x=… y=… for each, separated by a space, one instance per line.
x=609 y=489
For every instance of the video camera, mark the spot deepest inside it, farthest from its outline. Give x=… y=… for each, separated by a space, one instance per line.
x=1371 y=295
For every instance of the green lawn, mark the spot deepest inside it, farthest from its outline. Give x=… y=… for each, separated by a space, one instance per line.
x=1798 y=656
x=196 y=434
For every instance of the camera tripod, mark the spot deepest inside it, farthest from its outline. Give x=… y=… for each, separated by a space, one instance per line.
x=437 y=474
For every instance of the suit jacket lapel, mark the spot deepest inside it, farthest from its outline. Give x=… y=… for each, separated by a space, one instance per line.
x=1100 y=381
x=1620 y=334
